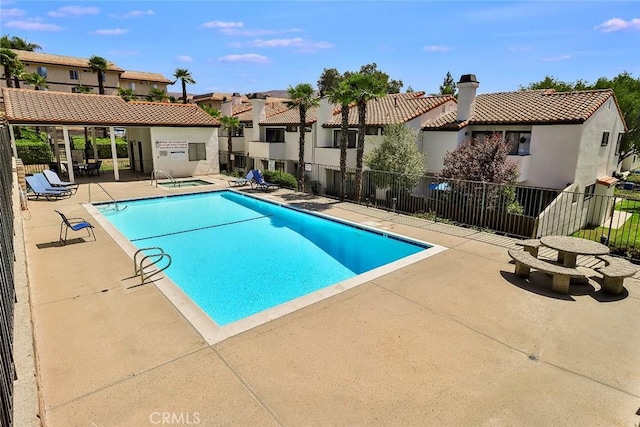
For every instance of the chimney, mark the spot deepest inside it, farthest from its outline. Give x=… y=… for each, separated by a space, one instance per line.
x=236 y=99
x=258 y=113
x=227 y=107
x=466 y=96
x=325 y=112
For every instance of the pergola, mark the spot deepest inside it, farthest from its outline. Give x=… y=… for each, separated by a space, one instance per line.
x=24 y=107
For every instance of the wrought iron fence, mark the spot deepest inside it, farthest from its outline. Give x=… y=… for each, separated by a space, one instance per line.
x=7 y=290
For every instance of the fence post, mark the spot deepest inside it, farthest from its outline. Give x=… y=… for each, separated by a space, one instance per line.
x=484 y=189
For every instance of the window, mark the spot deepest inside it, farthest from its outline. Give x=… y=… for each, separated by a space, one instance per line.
x=239 y=162
x=370 y=130
x=280 y=166
x=619 y=143
x=155 y=86
x=275 y=135
x=236 y=132
x=132 y=86
x=248 y=125
x=589 y=190
x=42 y=72
x=73 y=74
x=519 y=142
x=605 y=139
x=197 y=151
x=292 y=128
x=351 y=138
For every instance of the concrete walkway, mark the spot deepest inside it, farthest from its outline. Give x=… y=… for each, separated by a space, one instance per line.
x=455 y=339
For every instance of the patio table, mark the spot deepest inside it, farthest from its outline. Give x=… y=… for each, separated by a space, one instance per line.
x=570 y=247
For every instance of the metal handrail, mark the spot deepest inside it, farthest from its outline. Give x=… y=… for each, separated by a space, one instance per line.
x=139 y=267
x=115 y=202
x=156 y=172
x=155 y=272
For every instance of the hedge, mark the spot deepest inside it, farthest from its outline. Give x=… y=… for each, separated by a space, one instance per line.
x=34 y=153
x=281 y=178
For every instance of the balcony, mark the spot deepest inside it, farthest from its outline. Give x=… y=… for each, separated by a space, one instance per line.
x=267 y=150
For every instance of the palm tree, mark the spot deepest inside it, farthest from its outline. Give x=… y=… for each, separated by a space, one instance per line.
x=303 y=96
x=230 y=125
x=157 y=95
x=211 y=111
x=183 y=75
x=343 y=95
x=8 y=60
x=365 y=87
x=18 y=44
x=127 y=94
x=99 y=65
x=18 y=73
x=35 y=80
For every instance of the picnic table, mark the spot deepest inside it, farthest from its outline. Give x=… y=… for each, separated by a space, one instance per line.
x=570 y=247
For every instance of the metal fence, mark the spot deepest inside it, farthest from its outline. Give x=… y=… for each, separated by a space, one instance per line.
x=7 y=290
x=107 y=165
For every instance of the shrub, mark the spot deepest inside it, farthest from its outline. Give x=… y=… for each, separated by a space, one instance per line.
x=34 y=153
x=281 y=178
x=104 y=147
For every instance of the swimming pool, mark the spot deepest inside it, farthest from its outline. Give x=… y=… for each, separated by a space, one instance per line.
x=184 y=183
x=237 y=257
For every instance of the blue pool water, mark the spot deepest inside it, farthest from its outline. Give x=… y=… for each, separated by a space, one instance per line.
x=235 y=256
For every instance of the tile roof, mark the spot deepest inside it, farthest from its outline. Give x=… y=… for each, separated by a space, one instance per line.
x=542 y=106
x=24 y=106
x=244 y=112
x=393 y=108
x=46 y=58
x=142 y=75
x=217 y=96
x=291 y=117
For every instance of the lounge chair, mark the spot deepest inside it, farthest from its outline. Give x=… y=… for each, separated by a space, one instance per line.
x=242 y=181
x=259 y=182
x=47 y=185
x=56 y=182
x=38 y=190
x=93 y=167
x=76 y=224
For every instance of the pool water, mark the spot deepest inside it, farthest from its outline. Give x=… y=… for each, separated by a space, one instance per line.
x=185 y=183
x=236 y=256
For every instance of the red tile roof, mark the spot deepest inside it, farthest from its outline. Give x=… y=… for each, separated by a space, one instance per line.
x=393 y=108
x=542 y=106
x=70 y=61
x=24 y=106
x=144 y=76
x=244 y=112
x=291 y=117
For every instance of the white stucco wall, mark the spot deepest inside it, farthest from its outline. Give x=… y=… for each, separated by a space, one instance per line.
x=595 y=160
x=436 y=144
x=185 y=168
x=140 y=135
x=554 y=155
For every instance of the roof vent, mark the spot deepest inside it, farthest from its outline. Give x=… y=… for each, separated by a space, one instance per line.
x=395 y=101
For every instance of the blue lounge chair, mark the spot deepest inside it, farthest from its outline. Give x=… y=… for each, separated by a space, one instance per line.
x=56 y=182
x=76 y=224
x=259 y=182
x=47 y=185
x=242 y=181
x=38 y=190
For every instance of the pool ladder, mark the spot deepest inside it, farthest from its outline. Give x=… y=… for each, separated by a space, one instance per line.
x=156 y=172
x=155 y=257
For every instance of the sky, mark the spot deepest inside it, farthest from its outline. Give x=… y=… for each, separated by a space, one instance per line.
x=253 y=46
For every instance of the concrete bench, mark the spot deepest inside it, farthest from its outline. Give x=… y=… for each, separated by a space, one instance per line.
x=561 y=276
x=530 y=245
x=614 y=273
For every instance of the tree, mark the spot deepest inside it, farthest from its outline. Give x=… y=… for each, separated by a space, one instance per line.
x=17 y=43
x=229 y=125
x=409 y=90
x=185 y=77
x=83 y=89
x=99 y=65
x=365 y=87
x=484 y=161
x=342 y=95
x=9 y=61
x=35 y=80
x=18 y=73
x=627 y=91
x=211 y=111
x=127 y=94
x=448 y=86
x=157 y=95
x=399 y=155
x=304 y=97
x=391 y=86
x=328 y=80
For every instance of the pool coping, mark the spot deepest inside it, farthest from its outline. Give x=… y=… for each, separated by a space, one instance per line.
x=212 y=332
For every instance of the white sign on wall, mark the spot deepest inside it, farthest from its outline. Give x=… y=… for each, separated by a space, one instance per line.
x=272 y=165
x=172 y=145
x=178 y=155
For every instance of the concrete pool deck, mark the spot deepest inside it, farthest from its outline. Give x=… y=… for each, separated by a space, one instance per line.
x=454 y=339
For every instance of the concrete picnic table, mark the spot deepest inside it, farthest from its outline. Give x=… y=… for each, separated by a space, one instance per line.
x=570 y=247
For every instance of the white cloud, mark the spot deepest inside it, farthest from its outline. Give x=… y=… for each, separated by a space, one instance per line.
x=34 y=25
x=244 y=58
x=110 y=32
x=556 y=58
x=256 y=32
x=73 y=11
x=297 y=42
x=11 y=13
x=222 y=24
x=436 y=48
x=138 y=13
x=184 y=58
x=617 y=24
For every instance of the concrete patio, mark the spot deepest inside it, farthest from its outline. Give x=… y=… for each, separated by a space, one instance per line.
x=455 y=339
